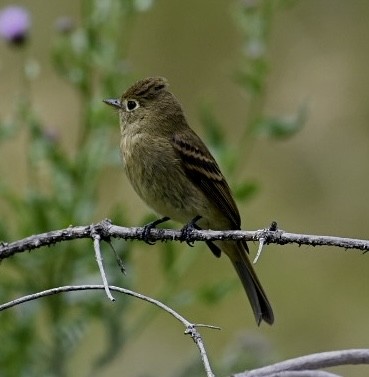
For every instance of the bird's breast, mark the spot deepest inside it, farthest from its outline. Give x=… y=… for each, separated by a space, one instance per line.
x=128 y=147
x=156 y=174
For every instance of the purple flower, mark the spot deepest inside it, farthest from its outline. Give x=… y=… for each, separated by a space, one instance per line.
x=14 y=24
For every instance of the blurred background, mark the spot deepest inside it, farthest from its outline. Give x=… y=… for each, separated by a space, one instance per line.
x=278 y=89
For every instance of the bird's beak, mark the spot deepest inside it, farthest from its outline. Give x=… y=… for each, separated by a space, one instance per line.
x=113 y=102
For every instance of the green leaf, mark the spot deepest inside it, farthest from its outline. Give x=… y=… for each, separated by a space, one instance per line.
x=282 y=127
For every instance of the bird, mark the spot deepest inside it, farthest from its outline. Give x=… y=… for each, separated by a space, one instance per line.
x=173 y=171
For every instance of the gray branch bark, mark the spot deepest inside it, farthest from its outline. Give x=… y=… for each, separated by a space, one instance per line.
x=308 y=365
x=305 y=366
x=106 y=230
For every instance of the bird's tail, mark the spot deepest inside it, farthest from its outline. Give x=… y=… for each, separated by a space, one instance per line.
x=237 y=253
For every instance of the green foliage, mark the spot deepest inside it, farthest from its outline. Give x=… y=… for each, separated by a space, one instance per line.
x=281 y=128
x=61 y=188
x=255 y=20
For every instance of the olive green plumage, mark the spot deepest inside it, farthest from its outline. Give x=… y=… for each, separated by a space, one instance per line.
x=172 y=170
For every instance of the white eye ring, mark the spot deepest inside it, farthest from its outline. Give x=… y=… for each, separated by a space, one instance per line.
x=132 y=104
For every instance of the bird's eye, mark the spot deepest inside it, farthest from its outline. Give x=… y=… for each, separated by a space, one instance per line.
x=132 y=105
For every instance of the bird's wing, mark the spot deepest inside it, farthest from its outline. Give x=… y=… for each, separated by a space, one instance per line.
x=201 y=167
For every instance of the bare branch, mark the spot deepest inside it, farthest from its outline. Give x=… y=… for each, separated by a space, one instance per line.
x=311 y=363
x=305 y=366
x=190 y=327
x=106 y=230
x=303 y=373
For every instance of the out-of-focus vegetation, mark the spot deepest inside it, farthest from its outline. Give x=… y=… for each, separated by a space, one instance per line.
x=62 y=167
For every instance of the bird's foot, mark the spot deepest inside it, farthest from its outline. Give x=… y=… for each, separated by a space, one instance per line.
x=273 y=226
x=188 y=228
x=147 y=229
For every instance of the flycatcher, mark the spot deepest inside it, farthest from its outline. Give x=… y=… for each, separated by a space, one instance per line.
x=173 y=171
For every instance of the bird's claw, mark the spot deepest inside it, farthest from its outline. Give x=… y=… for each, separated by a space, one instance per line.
x=147 y=229
x=188 y=228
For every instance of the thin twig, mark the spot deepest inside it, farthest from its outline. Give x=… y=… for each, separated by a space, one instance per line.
x=190 y=327
x=96 y=237
x=305 y=366
x=107 y=230
x=118 y=258
x=260 y=249
x=195 y=335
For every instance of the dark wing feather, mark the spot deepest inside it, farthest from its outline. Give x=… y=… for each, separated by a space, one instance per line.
x=201 y=167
